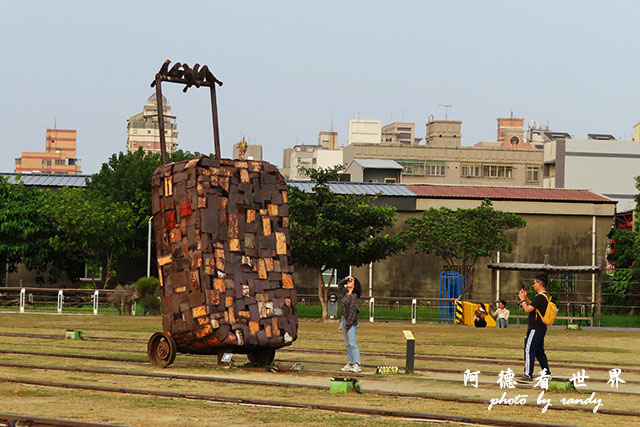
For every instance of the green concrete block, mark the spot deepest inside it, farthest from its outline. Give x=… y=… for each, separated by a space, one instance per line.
x=74 y=335
x=561 y=384
x=344 y=385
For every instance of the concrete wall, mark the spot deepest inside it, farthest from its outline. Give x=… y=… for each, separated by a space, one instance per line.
x=565 y=238
x=328 y=158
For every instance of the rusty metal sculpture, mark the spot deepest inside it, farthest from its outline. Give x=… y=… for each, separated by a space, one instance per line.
x=224 y=259
x=196 y=76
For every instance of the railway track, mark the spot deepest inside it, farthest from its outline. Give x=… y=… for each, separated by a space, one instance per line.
x=226 y=380
x=198 y=360
x=361 y=342
x=144 y=361
x=416 y=416
x=14 y=420
x=561 y=363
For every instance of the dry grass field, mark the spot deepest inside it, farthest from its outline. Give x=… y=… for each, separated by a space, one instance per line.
x=444 y=353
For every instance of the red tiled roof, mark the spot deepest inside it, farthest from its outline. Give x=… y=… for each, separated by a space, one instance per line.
x=506 y=193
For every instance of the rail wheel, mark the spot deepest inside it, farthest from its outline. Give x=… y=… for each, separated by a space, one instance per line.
x=263 y=357
x=161 y=350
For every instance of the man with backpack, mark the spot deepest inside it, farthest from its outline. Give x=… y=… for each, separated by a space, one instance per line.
x=534 y=340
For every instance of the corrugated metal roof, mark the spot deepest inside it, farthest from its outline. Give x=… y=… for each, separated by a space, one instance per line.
x=507 y=193
x=358 y=188
x=377 y=164
x=515 y=266
x=48 y=179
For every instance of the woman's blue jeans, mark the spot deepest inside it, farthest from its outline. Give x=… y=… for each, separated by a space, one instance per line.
x=353 y=352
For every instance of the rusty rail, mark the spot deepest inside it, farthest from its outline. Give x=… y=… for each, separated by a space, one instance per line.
x=316 y=406
x=13 y=420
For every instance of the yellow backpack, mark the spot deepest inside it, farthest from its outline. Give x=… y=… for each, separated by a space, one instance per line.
x=551 y=312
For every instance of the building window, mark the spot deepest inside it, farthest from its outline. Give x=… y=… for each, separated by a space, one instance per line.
x=60 y=162
x=497 y=171
x=91 y=272
x=390 y=181
x=19 y=161
x=148 y=132
x=435 y=169
x=415 y=167
x=533 y=174
x=471 y=170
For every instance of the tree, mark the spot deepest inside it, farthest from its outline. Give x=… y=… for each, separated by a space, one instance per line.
x=331 y=231
x=126 y=178
x=462 y=236
x=89 y=227
x=622 y=285
x=24 y=235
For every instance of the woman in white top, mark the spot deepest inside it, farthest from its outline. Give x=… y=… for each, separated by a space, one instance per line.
x=501 y=314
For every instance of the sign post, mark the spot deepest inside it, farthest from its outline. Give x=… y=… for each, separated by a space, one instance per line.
x=411 y=351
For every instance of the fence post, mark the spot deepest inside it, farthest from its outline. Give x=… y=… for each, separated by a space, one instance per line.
x=96 y=297
x=414 y=311
x=60 y=299
x=134 y=305
x=22 y=295
x=371 y=309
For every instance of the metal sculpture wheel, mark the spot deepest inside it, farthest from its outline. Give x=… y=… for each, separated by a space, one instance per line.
x=263 y=356
x=161 y=350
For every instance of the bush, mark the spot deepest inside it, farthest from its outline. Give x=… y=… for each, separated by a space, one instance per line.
x=147 y=289
x=123 y=297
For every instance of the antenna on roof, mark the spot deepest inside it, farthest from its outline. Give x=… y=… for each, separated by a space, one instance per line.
x=446 y=110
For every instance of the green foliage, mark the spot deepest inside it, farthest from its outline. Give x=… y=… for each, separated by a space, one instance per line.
x=147 y=288
x=335 y=231
x=462 y=236
x=625 y=248
x=622 y=287
x=25 y=234
x=89 y=227
x=332 y=231
x=126 y=178
x=555 y=288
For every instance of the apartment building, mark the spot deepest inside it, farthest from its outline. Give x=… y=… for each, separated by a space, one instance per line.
x=308 y=156
x=399 y=133
x=599 y=163
x=328 y=139
x=59 y=157
x=142 y=128
x=442 y=160
x=363 y=131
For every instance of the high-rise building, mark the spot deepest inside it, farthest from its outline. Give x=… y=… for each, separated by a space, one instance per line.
x=364 y=131
x=328 y=140
x=59 y=155
x=399 y=133
x=142 y=129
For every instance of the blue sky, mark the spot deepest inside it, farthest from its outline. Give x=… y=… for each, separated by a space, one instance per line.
x=289 y=67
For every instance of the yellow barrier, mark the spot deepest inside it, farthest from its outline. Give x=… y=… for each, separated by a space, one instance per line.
x=468 y=312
